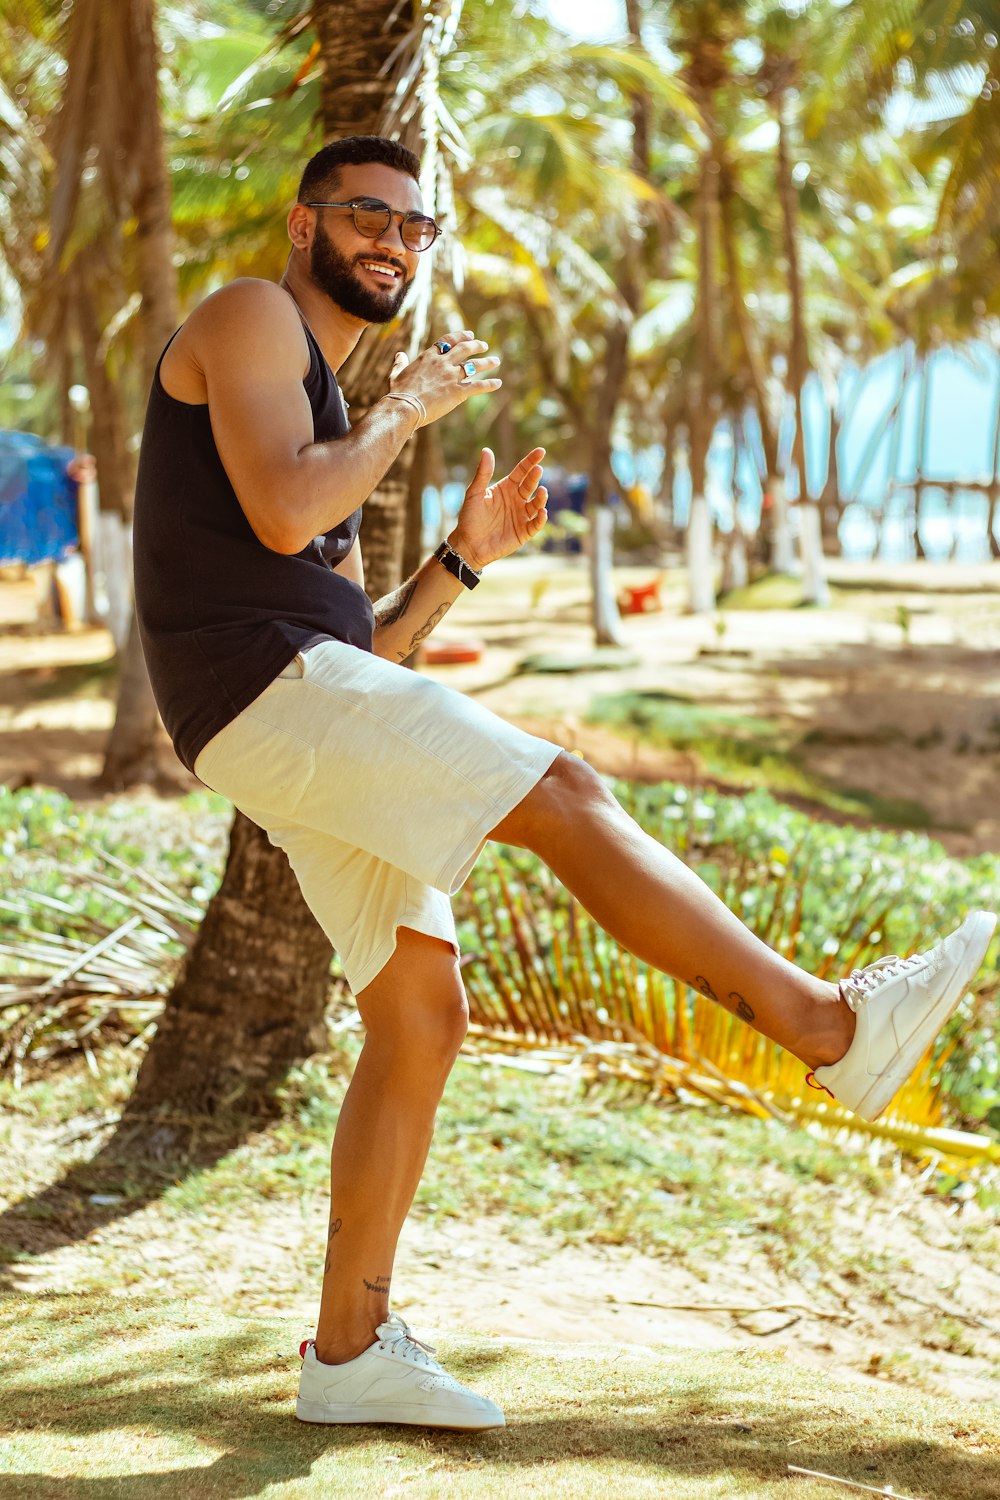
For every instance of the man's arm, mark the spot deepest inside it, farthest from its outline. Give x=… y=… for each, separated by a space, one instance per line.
x=407 y=616
x=249 y=343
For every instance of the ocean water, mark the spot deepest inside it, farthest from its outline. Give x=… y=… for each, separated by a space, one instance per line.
x=878 y=521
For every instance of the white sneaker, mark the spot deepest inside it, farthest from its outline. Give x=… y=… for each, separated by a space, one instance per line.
x=395 y=1380
x=901 y=1005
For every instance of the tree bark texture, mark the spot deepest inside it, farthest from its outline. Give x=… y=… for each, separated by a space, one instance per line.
x=252 y=995
x=701 y=580
x=604 y=608
x=157 y=274
x=138 y=749
x=108 y=422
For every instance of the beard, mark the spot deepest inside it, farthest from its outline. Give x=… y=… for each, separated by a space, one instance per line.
x=336 y=276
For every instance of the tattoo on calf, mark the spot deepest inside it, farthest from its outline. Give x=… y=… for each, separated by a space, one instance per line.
x=335 y=1225
x=736 y=1000
x=380 y=1285
x=742 y=1008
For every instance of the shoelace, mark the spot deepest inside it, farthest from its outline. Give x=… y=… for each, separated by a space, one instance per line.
x=395 y=1332
x=858 y=988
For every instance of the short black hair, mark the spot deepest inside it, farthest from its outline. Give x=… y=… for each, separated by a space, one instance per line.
x=322 y=173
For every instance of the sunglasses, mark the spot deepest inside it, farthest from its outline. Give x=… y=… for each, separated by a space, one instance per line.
x=372 y=217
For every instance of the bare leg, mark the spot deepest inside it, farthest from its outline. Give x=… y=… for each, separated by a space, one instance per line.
x=660 y=910
x=415 y=1017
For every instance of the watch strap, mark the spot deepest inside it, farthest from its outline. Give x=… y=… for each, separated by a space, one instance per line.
x=457 y=565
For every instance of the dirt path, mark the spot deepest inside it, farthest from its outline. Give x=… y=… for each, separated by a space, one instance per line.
x=899 y=705
x=929 y=1320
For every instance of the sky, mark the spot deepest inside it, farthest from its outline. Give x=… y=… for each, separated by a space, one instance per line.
x=591 y=20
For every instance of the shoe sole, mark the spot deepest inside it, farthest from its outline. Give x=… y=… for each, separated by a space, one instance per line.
x=320 y=1411
x=888 y=1084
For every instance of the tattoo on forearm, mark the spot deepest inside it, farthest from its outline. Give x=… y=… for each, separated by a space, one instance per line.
x=702 y=985
x=425 y=629
x=742 y=1008
x=333 y=1230
x=394 y=605
x=380 y=1285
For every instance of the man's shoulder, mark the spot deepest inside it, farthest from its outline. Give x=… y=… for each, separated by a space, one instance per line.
x=232 y=302
x=243 y=317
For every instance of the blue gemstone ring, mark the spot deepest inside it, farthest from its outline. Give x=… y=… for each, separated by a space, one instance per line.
x=469 y=367
x=443 y=345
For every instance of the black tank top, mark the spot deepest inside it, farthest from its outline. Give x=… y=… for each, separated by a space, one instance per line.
x=220 y=614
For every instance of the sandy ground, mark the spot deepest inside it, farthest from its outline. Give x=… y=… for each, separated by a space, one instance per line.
x=929 y=1316
x=911 y=714
x=904 y=713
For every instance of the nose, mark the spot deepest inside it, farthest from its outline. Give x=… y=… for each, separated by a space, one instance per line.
x=392 y=238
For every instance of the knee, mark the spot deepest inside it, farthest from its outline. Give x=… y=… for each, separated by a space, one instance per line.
x=424 y=1035
x=438 y=1030
x=569 y=787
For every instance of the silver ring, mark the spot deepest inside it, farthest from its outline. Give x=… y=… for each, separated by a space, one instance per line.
x=469 y=367
x=443 y=345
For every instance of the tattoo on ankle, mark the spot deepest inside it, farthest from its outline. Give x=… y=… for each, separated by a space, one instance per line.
x=334 y=1229
x=702 y=985
x=742 y=1008
x=380 y=1285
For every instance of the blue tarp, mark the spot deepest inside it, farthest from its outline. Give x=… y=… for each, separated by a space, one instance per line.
x=38 y=516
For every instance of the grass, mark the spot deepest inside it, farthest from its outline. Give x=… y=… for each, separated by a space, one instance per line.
x=143 y=1399
x=542 y=1156
x=744 y=748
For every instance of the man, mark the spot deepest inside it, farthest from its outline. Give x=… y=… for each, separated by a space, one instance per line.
x=281 y=688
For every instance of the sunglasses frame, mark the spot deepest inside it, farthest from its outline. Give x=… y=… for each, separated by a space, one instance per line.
x=404 y=218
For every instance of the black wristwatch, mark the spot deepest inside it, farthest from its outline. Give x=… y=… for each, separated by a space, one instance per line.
x=457 y=565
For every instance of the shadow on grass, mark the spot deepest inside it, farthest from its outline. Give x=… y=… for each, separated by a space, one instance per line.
x=136 y=1395
x=127 y=1171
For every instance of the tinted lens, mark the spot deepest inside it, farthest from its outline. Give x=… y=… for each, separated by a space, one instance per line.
x=418 y=232
x=371 y=218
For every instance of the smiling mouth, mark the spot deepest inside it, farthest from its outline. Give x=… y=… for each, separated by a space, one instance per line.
x=387 y=275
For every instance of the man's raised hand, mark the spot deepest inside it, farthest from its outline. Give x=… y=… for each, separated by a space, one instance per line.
x=496 y=519
x=438 y=378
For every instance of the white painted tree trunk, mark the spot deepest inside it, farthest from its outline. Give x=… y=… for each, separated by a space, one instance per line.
x=782 y=552
x=607 y=621
x=700 y=561
x=735 y=567
x=815 y=588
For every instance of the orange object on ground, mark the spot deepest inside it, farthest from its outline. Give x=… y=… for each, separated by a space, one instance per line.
x=450 y=653
x=641 y=598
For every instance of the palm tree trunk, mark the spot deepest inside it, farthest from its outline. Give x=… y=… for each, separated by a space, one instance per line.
x=604 y=609
x=815 y=586
x=992 y=540
x=700 y=561
x=922 y=436
x=775 y=516
x=250 y=1001
x=138 y=749
x=831 y=500
x=108 y=421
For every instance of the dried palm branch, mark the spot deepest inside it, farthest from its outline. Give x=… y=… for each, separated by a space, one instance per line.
x=549 y=991
x=543 y=972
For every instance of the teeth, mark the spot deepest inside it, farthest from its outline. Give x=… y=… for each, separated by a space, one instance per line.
x=380 y=270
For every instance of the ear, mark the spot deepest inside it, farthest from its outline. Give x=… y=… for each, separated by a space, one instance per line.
x=301 y=225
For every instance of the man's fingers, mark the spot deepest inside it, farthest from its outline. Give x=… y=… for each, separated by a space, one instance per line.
x=529 y=481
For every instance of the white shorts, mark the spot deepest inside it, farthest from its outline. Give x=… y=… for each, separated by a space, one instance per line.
x=380 y=785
